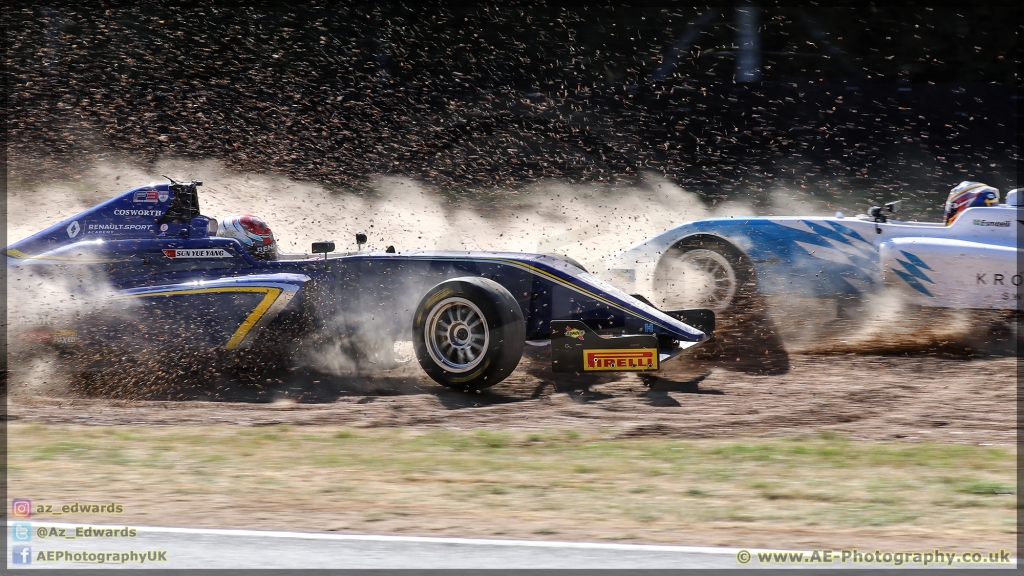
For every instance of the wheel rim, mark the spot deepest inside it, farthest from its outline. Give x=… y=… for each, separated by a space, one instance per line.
x=456 y=335
x=700 y=278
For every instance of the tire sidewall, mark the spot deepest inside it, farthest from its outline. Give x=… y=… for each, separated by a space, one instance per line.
x=741 y=267
x=505 y=325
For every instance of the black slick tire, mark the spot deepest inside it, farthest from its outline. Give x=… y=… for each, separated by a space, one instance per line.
x=711 y=252
x=468 y=333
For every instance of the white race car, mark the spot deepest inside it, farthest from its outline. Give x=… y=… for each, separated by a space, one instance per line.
x=973 y=263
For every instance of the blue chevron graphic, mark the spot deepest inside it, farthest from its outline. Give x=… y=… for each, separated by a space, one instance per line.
x=916 y=261
x=847 y=231
x=912 y=274
x=913 y=282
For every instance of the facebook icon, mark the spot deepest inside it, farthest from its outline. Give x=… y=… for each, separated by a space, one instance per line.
x=21 y=555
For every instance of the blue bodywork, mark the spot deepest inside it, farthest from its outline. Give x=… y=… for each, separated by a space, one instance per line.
x=812 y=256
x=154 y=276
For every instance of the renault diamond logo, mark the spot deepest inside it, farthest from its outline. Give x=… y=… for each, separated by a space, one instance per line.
x=74 y=229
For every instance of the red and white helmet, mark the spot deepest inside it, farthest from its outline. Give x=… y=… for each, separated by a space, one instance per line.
x=252 y=232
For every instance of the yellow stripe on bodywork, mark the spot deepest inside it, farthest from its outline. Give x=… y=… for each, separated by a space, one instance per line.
x=250 y=321
x=578 y=288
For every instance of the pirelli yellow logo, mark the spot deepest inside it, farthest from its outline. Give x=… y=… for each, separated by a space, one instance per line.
x=630 y=359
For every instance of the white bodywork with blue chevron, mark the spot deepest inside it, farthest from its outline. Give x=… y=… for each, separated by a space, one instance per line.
x=973 y=263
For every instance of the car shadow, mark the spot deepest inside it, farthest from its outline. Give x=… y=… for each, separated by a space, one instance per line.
x=536 y=368
x=662 y=383
x=307 y=386
x=201 y=377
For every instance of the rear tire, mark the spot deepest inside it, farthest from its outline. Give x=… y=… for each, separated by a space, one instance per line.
x=744 y=327
x=703 y=272
x=468 y=333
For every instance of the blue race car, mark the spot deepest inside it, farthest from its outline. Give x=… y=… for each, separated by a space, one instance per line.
x=151 y=273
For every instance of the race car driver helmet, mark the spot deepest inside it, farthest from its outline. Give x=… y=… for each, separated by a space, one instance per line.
x=968 y=195
x=252 y=232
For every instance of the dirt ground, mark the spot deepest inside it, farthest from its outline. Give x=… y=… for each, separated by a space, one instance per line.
x=923 y=398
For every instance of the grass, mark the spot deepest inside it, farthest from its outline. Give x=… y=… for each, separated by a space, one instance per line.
x=480 y=483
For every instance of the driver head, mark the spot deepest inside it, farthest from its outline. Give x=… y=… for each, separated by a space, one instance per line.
x=968 y=195
x=252 y=232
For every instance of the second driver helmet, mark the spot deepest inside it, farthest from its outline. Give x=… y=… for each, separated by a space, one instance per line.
x=252 y=232
x=968 y=195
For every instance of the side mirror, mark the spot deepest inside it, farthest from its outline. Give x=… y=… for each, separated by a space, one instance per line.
x=360 y=239
x=894 y=206
x=876 y=214
x=323 y=247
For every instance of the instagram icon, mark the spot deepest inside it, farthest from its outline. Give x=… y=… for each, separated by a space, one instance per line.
x=21 y=508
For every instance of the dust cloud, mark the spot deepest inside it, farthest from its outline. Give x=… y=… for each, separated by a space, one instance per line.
x=884 y=324
x=584 y=221
x=46 y=305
